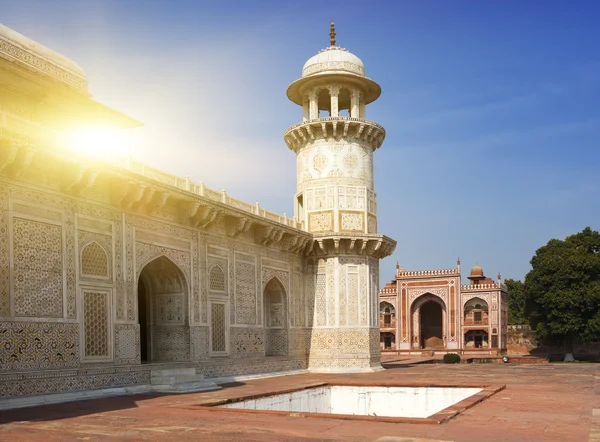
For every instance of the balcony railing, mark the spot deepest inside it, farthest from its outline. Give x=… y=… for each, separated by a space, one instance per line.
x=391 y=324
x=470 y=287
x=24 y=131
x=473 y=322
x=200 y=189
x=438 y=272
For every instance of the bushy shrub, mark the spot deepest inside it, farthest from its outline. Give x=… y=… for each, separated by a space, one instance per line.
x=451 y=358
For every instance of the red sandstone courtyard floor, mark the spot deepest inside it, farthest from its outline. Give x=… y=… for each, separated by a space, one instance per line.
x=547 y=402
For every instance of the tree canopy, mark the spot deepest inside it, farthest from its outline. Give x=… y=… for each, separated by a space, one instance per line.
x=562 y=291
x=516 y=302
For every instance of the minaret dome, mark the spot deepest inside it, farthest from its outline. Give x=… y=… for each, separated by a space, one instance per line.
x=333 y=64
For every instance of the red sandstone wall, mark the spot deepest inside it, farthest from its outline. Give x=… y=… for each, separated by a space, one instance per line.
x=522 y=342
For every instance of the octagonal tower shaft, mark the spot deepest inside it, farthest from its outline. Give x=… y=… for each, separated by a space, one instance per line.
x=336 y=202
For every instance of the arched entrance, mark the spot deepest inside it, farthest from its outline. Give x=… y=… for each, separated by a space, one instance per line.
x=276 y=337
x=428 y=318
x=162 y=297
x=431 y=329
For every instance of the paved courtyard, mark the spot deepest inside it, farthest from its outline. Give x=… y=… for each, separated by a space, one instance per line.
x=547 y=402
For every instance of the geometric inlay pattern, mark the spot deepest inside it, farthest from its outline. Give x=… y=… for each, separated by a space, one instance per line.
x=277 y=342
x=352 y=221
x=171 y=309
x=319 y=162
x=170 y=343
x=127 y=343
x=217 y=279
x=4 y=264
x=245 y=293
x=95 y=319
x=30 y=345
x=247 y=342
x=353 y=297
x=217 y=316
x=320 y=222
x=372 y=224
x=38 y=269
x=94 y=260
x=414 y=293
x=350 y=161
x=326 y=345
x=320 y=293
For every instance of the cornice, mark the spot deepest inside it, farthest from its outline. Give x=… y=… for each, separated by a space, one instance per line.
x=134 y=193
x=31 y=61
x=375 y=246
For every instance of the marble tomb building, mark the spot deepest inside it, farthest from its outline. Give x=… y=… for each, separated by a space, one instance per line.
x=116 y=276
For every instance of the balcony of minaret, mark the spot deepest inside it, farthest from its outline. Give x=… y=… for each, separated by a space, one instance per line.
x=339 y=127
x=334 y=111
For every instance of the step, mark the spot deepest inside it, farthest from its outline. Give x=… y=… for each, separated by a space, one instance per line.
x=187 y=387
x=173 y=372
x=169 y=380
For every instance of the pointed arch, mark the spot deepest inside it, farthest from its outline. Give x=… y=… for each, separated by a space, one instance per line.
x=217 y=281
x=476 y=303
x=94 y=260
x=428 y=297
x=275 y=314
x=428 y=321
x=163 y=293
x=475 y=312
x=386 y=308
x=148 y=254
x=387 y=314
x=163 y=269
x=274 y=302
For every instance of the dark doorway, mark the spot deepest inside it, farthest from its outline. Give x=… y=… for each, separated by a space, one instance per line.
x=431 y=326
x=143 y=320
x=162 y=312
x=387 y=342
x=476 y=339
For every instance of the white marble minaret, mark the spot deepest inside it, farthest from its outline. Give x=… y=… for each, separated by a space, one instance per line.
x=336 y=202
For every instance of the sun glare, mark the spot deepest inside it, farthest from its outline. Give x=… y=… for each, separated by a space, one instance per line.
x=98 y=143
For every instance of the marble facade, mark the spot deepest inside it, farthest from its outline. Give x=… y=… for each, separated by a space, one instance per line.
x=107 y=270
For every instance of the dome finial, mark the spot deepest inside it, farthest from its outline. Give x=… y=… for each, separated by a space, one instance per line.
x=332 y=33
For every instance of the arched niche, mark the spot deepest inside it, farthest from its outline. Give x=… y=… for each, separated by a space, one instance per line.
x=476 y=312
x=275 y=314
x=163 y=312
x=387 y=314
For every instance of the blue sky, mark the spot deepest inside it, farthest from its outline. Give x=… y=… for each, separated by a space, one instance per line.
x=492 y=108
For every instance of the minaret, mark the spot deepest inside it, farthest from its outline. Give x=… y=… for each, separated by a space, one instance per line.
x=336 y=202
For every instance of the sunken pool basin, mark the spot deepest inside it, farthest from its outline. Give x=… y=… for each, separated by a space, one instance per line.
x=362 y=400
x=390 y=402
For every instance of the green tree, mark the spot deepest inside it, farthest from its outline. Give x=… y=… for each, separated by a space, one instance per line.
x=562 y=291
x=516 y=302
